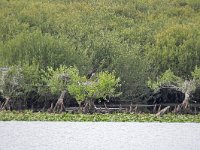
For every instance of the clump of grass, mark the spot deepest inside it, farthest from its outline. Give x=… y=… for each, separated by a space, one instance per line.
x=117 y=117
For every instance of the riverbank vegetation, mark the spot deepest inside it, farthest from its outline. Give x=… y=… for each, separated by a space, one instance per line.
x=120 y=50
x=116 y=117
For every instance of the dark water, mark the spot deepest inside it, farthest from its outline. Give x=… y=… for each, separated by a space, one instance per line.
x=99 y=136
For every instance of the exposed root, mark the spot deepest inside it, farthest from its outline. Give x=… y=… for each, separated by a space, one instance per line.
x=7 y=105
x=163 y=111
x=86 y=108
x=131 y=108
x=89 y=107
x=120 y=108
x=154 y=109
x=0 y=105
x=174 y=110
x=59 y=107
x=177 y=109
x=50 y=110
x=159 y=108
x=185 y=103
x=107 y=110
x=80 y=109
x=195 y=110
x=135 y=109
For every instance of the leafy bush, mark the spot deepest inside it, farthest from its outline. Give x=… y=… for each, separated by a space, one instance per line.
x=11 y=80
x=138 y=39
x=20 y=81
x=32 y=77
x=68 y=78
x=196 y=74
x=58 y=79
x=103 y=85
x=167 y=78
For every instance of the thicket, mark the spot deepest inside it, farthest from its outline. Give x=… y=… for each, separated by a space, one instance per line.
x=19 y=83
x=138 y=39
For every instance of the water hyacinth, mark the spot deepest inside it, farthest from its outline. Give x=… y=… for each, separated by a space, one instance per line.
x=116 y=117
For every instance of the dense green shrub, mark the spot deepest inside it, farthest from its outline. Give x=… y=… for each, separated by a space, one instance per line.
x=103 y=86
x=20 y=80
x=196 y=76
x=11 y=81
x=68 y=78
x=166 y=79
x=57 y=79
x=136 y=39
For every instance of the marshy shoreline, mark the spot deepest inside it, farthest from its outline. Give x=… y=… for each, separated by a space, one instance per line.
x=96 y=117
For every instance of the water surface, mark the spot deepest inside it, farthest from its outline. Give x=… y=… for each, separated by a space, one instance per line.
x=99 y=136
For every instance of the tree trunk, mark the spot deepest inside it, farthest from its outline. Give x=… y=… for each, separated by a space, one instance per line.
x=135 y=109
x=185 y=103
x=159 y=108
x=59 y=107
x=50 y=110
x=1 y=106
x=89 y=107
x=120 y=108
x=131 y=108
x=80 y=108
x=154 y=109
x=7 y=104
x=106 y=108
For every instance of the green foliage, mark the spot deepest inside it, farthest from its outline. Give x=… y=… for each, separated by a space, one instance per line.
x=195 y=4
x=20 y=80
x=176 y=48
x=196 y=75
x=103 y=85
x=68 y=78
x=116 y=117
x=138 y=39
x=106 y=85
x=167 y=78
x=32 y=77
x=78 y=90
x=11 y=80
x=58 y=79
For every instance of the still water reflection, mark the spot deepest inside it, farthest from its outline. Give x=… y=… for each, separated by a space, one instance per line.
x=99 y=136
